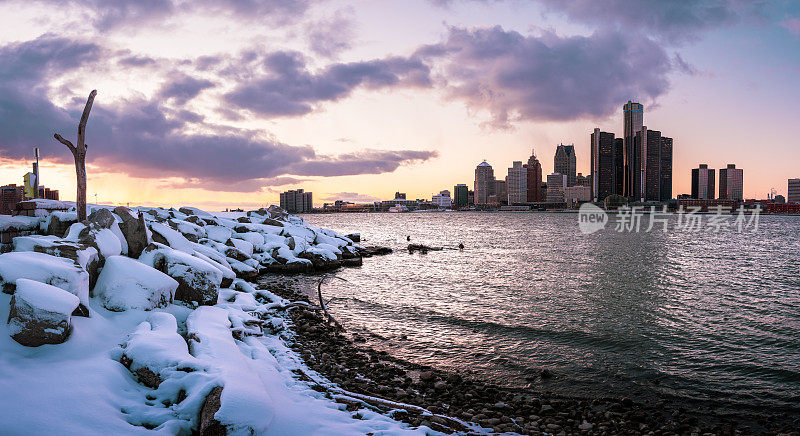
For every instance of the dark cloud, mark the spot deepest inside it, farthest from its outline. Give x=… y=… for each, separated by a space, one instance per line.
x=547 y=77
x=148 y=138
x=287 y=87
x=107 y=15
x=184 y=88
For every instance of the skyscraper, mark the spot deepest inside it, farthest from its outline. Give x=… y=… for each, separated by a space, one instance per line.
x=731 y=183
x=633 y=122
x=460 y=195
x=619 y=165
x=517 y=183
x=602 y=164
x=703 y=183
x=534 y=178
x=556 y=184
x=564 y=162
x=666 y=169
x=296 y=201
x=794 y=191
x=484 y=182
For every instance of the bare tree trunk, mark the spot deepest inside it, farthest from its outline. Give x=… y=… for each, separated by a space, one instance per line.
x=79 y=153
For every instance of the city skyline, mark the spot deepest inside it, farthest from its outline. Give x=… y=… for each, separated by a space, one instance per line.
x=385 y=111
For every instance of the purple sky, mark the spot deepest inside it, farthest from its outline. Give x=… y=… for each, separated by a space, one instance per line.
x=229 y=102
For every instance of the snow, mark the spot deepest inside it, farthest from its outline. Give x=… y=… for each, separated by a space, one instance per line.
x=174 y=238
x=84 y=255
x=19 y=222
x=56 y=271
x=107 y=242
x=243 y=246
x=46 y=297
x=126 y=284
x=218 y=233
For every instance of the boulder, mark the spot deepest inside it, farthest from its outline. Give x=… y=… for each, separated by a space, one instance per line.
x=59 y=221
x=163 y=234
x=193 y=211
x=103 y=239
x=209 y=426
x=101 y=218
x=40 y=313
x=245 y=247
x=198 y=280
x=218 y=233
x=235 y=253
x=243 y=270
x=194 y=219
x=126 y=284
x=82 y=254
x=134 y=230
x=355 y=237
x=44 y=268
x=374 y=250
x=293 y=267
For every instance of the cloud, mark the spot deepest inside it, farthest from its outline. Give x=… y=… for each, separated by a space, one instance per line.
x=148 y=137
x=184 y=88
x=353 y=197
x=105 y=15
x=331 y=36
x=547 y=77
x=286 y=87
x=792 y=25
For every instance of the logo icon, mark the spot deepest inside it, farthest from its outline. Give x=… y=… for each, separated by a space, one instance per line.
x=591 y=218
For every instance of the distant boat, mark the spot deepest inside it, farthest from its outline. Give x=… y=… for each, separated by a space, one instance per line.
x=397 y=208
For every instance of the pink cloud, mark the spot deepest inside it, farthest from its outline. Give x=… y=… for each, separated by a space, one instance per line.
x=792 y=25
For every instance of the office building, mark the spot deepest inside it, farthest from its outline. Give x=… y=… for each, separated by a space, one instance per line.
x=460 y=195
x=731 y=183
x=703 y=183
x=793 y=194
x=296 y=201
x=556 y=184
x=665 y=171
x=577 y=194
x=534 y=178
x=633 y=114
x=517 y=183
x=654 y=158
x=564 y=162
x=619 y=165
x=603 y=176
x=443 y=200
x=500 y=192
x=484 y=182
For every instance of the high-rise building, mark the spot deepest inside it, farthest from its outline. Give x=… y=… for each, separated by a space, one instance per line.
x=399 y=195
x=484 y=182
x=633 y=122
x=703 y=183
x=500 y=192
x=556 y=184
x=602 y=164
x=794 y=191
x=619 y=165
x=460 y=195
x=296 y=201
x=665 y=176
x=731 y=183
x=517 y=183
x=534 y=178
x=578 y=194
x=581 y=180
x=564 y=162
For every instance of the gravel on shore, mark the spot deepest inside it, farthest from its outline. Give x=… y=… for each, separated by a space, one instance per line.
x=345 y=359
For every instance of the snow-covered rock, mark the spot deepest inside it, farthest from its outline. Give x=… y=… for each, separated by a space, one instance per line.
x=134 y=230
x=59 y=221
x=163 y=234
x=44 y=268
x=126 y=284
x=40 y=313
x=197 y=279
x=245 y=247
x=82 y=254
x=218 y=233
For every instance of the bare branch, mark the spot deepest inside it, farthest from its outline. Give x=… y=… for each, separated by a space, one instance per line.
x=65 y=142
x=82 y=125
x=322 y=301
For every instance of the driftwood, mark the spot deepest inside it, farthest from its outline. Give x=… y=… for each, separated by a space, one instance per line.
x=79 y=154
x=322 y=302
x=422 y=248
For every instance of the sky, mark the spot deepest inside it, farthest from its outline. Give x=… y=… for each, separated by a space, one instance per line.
x=227 y=103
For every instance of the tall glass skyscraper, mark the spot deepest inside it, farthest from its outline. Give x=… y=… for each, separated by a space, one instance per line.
x=634 y=120
x=484 y=182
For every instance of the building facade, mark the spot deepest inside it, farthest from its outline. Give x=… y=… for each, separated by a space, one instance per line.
x=603 y=170
x=703 y=183
x=460 y=195
x=556 y=184
x=500 y=193
x=564 y=162
x=443 y=200
x=577 y=194
x=517 y=183
x=484 y=182
x=297 y=201
x=619 y=165
x=534 y=178
x=731 y=183
x=633 y=115
x=794 y=191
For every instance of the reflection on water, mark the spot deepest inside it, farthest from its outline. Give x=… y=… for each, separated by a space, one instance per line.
x=678 y=315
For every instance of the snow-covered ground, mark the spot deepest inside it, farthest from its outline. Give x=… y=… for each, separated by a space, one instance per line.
x=143 y=362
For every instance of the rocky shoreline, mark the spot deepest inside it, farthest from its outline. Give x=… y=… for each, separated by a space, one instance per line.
x=346 y=360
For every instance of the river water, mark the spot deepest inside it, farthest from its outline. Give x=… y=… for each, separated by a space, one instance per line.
x=708 y=316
